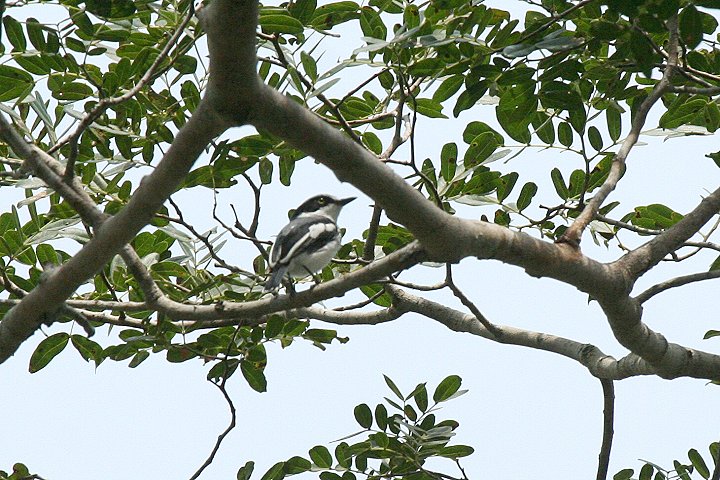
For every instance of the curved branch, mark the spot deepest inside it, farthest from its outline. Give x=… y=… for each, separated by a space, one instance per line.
x=591 y=357
x=676 y=282
x=574 y=233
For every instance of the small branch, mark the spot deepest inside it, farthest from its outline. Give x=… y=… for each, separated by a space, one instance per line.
x=676 y=282
x=308 y=84
x=552 y=22
x=221 y=437
x=608 y=420
x=710 y=91
x=573 y=234
x=370 y=241
x=495 y=331
x=598 y=364
x=106 y=103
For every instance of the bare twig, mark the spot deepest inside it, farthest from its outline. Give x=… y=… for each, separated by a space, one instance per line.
x=495 y=331
x=221 y=437
x=608 y=420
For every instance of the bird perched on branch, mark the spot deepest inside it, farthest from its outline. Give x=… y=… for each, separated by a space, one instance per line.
x=309 y=241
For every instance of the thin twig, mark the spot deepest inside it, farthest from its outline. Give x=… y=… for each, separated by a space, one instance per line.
x=221 y=437
x=676 y=282
x=608 y=420
x=495 y=331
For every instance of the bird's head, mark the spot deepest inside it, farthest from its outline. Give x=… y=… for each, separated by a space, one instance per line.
x=322 y=205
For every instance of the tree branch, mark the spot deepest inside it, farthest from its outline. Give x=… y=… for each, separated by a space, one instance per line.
x=599 y=364
x=608 y=420
x=676 y=282
x=651 y=253
x=574 y=233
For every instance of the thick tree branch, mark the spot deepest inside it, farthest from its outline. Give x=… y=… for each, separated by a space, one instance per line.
x=647 y=256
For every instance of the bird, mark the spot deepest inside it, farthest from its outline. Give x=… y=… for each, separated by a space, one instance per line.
x=309 y=241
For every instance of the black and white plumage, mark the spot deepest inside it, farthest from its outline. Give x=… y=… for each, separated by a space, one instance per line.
x=309 y=241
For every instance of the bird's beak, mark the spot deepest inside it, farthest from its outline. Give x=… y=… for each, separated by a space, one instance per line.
x=345 y=201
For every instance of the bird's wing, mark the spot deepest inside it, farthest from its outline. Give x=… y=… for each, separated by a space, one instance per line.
x=302 y=234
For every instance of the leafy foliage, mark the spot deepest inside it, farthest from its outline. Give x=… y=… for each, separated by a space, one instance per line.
x=398 y=440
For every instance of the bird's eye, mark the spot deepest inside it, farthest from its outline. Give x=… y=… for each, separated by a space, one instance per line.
x=322 y=200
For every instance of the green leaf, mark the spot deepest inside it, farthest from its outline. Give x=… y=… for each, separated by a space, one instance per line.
x=254 y=376
x=646 y=472
x=448 y=161
x=595 y=138
x=48 y=349
x=682 y=113
x=614 y=123
x=287 y=167
x=14 y=82
x=711 y=334
x=448 y=88
x=138 y=358
x=245 y=471
x=698 y=462
x=559 y=184
x=371 y=24
x=526 y=195
x=447 y=388
x=331 y=14
x=421 y=397
x=278 y=23
x=565 y=134
x=456 y=451
x=88 y=349
x=321 y=457
x=393 y=387
x=373 y=142
x=381 y=416
x=481 y=147
x=342 y=455
x=14 y=32
x=309 y=65
x=35 y=34
x=363 y=415
x=691 y=27
x=276 y=472
x=426 y=67
x=428 y=107
x=110 y=8
x=625 y=474
x=303 y=10
x=265 y=168
x=297 y=465
x=47 y=254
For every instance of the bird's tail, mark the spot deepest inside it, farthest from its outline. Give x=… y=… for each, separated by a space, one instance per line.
x=276 y=277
